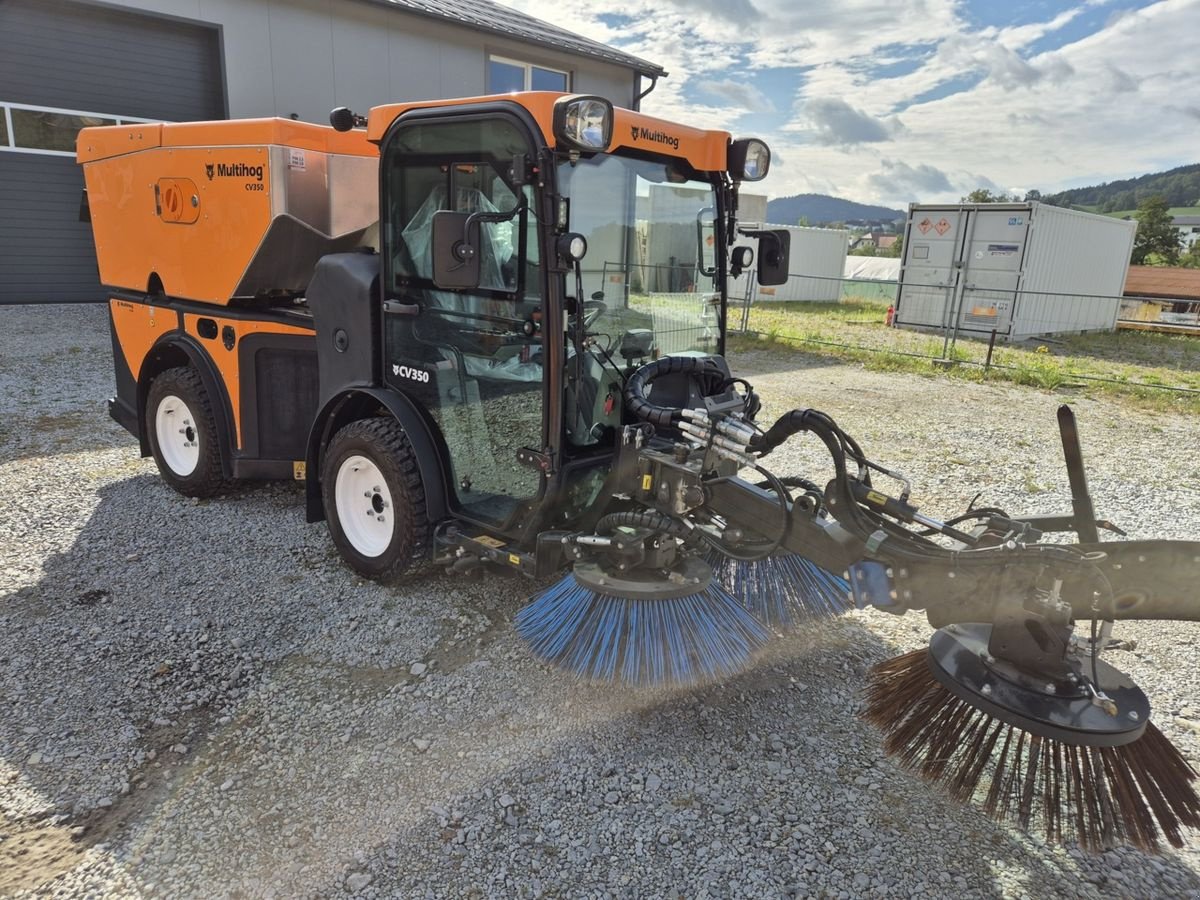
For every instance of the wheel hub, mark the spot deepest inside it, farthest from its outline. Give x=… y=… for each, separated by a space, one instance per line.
x=175 y=429
x=368 y=525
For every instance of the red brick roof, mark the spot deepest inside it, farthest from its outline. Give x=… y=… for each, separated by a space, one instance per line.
x=1163 y=281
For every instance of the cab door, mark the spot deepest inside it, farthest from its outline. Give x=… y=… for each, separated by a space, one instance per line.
x=472 y=358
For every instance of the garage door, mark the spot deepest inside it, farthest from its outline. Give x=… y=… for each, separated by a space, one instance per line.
x=62 y=66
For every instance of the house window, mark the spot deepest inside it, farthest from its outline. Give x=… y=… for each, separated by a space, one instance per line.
x=508 y=75
x=46 y=130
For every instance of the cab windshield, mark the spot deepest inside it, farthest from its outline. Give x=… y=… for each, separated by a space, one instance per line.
x=649 y=283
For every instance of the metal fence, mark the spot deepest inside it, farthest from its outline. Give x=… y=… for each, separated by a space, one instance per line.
x=987 y=318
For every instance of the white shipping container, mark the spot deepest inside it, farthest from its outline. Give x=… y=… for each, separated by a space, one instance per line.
x=1021 y=269
x=816 y=259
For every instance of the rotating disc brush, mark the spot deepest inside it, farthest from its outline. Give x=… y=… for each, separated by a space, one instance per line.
x=644 y=630
x=1044 y=755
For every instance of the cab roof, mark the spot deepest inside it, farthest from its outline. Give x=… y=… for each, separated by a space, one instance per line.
x=705 y=151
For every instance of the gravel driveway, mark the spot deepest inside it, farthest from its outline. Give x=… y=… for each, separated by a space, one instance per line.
x=198 y=700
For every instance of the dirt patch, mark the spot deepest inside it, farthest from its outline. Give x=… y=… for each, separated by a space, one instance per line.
x=34 y=853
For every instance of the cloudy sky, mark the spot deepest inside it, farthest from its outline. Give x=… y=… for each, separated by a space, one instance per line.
x=925 y=99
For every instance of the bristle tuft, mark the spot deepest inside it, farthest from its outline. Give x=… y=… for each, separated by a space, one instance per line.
x=682 y=641
x=1098 y=796
x=783 y=591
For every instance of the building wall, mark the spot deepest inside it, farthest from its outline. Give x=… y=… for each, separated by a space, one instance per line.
x=308 y=56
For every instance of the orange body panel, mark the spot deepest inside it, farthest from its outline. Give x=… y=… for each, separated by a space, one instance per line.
x=221 y=172
x=227 y=361
x=139 y=326
x=115 y=140
x=707 y=151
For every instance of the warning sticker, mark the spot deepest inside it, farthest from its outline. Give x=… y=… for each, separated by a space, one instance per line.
x=296 y=159
x=488 y=541
x=1003 y=249
x=924 y=225
x=942 y=226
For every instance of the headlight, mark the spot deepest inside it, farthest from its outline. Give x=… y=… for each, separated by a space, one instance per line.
x=749 y=160
x=583 y=123
x=572 y=247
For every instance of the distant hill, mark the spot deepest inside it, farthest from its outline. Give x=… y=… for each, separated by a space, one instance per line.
x=1180 y=186
x=820 y=209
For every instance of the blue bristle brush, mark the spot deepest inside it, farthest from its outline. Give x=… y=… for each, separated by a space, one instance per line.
x=783 y=591
x=676 y=641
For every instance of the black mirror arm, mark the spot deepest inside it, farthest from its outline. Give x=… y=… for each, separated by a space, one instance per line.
x=463 y=250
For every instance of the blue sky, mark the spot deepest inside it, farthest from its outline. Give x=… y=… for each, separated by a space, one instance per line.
x=925 y=100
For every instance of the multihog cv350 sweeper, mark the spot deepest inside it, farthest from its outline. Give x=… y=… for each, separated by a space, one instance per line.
x=463 y=326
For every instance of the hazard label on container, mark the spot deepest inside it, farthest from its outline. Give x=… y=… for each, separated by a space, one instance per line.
x=942 y=226
x=924 y=225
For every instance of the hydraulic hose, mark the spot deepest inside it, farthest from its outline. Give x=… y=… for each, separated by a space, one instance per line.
x=639 y=383
x=648 y=519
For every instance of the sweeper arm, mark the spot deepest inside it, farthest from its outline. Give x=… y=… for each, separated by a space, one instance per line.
x=850 y=526
x=1007 y=705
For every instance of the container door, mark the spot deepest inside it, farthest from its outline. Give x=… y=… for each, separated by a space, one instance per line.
x=928 y=279
x=992 y=269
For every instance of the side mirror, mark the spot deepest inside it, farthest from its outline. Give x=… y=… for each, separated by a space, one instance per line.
x=455 y=250
x=773 y=249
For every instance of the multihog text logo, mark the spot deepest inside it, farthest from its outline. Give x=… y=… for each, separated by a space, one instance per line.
x=234 y=170
x=642 y=133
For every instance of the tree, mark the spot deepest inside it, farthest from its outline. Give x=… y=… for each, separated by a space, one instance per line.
x=1156 y=233
x=1191 y=259
x=983 y=195
x=1032 y=195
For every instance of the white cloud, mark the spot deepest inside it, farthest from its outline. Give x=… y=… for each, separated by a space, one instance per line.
x=737 y=93
x=830 y=120
x=1112 y=104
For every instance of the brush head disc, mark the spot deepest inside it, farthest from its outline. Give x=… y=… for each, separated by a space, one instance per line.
x=690 y=575
x=1061 y=709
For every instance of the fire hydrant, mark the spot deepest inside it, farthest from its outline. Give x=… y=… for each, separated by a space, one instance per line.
x=890 y=319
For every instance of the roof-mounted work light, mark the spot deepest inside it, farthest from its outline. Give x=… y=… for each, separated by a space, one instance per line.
x=749 y=160
x=583 y=123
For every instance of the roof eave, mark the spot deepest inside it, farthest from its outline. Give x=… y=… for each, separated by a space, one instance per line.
x=625 y=60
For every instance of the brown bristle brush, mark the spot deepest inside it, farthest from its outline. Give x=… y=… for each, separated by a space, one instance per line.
x=1048 y=756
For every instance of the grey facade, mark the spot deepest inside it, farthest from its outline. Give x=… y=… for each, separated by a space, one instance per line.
x=69 y=63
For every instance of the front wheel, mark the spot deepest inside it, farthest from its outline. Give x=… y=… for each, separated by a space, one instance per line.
x=374 y=499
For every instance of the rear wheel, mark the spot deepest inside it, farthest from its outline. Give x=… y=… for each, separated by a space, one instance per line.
x=183 y=433
x=374 y=499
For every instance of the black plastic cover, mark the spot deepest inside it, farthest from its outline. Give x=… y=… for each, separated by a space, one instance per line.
x=344 y=299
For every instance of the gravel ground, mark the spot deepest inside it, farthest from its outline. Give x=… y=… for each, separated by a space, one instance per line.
x=198 y=700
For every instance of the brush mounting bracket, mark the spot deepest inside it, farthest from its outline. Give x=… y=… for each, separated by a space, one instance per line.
x=1060 y=710
x=690 y=575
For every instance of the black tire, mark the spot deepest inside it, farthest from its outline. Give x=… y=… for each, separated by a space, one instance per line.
x=193 y=465
x=381 y=529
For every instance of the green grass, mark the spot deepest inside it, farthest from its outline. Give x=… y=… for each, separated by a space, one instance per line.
x=1121 y=214
x=1130 y=366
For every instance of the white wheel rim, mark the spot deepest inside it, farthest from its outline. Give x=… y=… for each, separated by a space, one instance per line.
x=178 y=437
x=364 y=505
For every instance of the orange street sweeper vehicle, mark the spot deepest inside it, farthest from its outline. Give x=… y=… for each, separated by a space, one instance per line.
x=490 y=331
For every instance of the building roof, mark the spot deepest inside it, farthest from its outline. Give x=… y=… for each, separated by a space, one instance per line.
x=483 y=15
x=1167 y=282
x=1186 y=220
x=886 y=240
